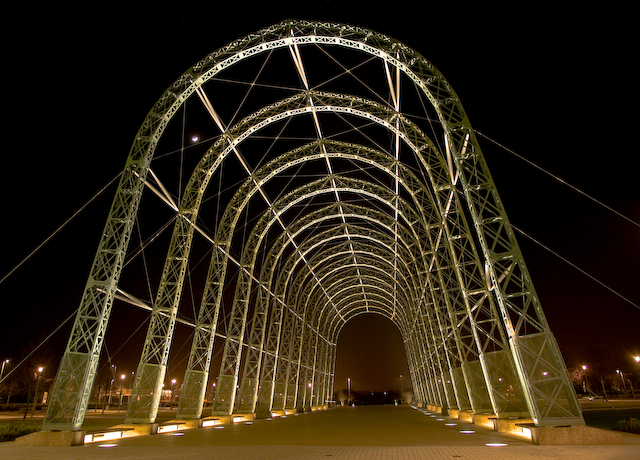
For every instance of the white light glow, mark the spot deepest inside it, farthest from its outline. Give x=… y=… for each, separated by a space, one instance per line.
x=496 y=444
x=167 y=428
x=96 y=437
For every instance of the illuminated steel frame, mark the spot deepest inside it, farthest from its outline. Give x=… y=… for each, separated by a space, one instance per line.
x=433 y=252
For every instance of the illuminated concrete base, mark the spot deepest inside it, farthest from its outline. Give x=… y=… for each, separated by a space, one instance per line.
x=512 y=426
x=52 y=438
x=434 y=408
x=280 y=413
x=485 y=420
x=572 y=435
x=137 y=429
x=236 y=418
x=180 y=424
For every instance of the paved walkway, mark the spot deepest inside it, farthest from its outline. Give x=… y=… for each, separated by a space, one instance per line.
x=374 y=432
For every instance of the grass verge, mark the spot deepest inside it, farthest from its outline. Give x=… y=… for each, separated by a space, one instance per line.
x=11 y=431
x=630 y=426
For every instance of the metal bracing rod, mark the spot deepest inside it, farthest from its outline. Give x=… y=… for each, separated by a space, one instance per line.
x=136 y=302
x=395 y=96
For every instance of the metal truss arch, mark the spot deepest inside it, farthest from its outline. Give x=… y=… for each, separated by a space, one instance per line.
x=475 y=320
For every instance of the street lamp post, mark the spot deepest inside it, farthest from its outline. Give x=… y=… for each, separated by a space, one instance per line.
x=5 y=362
x=173 y=384
x=114 y=368
x=349 y=389
x=35 y=395
x=401 y=388
x=122 y=377
x=621 y=374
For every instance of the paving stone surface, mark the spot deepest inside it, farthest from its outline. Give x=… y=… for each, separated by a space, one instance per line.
x=374 y=432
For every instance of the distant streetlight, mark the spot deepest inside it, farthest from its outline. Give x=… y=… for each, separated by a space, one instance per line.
x=401 y=386
x=349 y=387
x=637 y=358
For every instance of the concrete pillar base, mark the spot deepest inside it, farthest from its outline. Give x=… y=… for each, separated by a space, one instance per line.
x=510 y=425
x=485 y=420
x=243 y=417
x=572 y=435
x=52 y=438
x=138 y=429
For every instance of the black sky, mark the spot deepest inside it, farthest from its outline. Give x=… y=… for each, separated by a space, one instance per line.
x=556 y=86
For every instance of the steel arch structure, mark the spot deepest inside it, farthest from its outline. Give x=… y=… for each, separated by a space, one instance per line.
x=390 y=221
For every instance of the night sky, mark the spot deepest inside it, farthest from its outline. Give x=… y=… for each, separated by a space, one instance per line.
x=555 y=86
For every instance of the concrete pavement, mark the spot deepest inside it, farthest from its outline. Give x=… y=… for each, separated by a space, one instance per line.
x=371 y=432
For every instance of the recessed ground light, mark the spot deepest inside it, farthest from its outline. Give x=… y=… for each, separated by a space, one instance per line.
x=467 y=431
x=496 y=444
x=249 y=423
x=219 y=427
x=450 y=424
x=107 y=445
x=440 y=419
x=177 y=433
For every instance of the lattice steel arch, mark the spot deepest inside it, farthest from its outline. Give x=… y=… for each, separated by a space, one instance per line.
x=520 y=311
